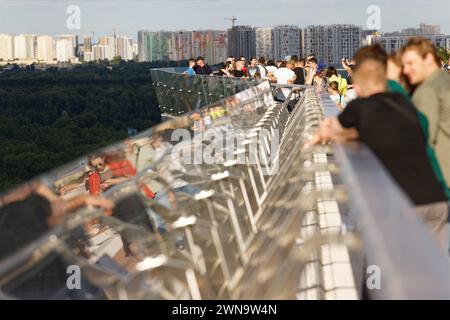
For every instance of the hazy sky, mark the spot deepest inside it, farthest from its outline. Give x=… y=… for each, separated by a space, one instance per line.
x=129 y=16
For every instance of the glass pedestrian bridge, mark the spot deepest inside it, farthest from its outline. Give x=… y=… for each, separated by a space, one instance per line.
x=219 y=202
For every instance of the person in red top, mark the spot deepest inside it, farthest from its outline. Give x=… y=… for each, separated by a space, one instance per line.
x=107 y=171
x=244 y=68
x=111 y=170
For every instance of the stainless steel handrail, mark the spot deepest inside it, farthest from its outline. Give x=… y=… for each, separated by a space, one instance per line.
x=395 y=240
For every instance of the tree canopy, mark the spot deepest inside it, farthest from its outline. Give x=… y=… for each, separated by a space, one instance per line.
x=48 y=118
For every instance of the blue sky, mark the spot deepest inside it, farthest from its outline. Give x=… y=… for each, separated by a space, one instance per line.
x=129 y=16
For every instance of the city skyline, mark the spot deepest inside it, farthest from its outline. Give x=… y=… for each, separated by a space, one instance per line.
x=328 y=42
x=128 y=17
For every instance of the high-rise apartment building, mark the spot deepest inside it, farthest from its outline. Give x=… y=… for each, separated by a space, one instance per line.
x=6 y=47
x=154 y=46
x=124 y=48
x=242 y=41
x=216 y=48
x=331 y=43
x=65 y=51
x=87 y=44
x=25 y=47
x=73 y=39
x=264 y=43
x=180 y=45
x=46 y=49
x=286 y=41
x=212 y=45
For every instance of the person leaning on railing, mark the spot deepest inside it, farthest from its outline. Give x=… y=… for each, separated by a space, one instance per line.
x=388 y=124
x=201 y=67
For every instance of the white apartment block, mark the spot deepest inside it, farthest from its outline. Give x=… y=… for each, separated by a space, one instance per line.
x=103 y=52
x=88 y=56
x=6 y=47
x=72 y=38
x=46 y=49
x=124 y=48
x=64 y=50
x=25 y=47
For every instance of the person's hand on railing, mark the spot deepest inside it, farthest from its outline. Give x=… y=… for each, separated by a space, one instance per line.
x=329 y=130
x=322 y=135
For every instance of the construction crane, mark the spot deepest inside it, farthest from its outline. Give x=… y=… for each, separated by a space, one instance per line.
x=232 y=19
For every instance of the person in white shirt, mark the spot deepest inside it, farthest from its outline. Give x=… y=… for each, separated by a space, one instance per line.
x=285 y=75
x=271 y=68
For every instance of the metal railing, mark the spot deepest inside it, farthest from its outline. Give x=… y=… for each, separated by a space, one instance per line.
x=395 y=240
x=258 y=222
x=179 y=93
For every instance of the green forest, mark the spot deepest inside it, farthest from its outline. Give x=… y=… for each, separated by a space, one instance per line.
x=48 y=118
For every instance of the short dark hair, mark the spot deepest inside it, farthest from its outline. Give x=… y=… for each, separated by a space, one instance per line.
x=331 y=71
x=373 y=52
x=199 y=58
x=271 y=63
x=313 y=60
x=262 y=60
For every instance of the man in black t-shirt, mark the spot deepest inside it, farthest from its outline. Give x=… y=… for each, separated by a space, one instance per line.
x=201 y=67
x=299 y=70
x=238 y=72
x=388 y=124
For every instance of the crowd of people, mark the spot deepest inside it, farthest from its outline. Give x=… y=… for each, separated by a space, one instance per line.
x=292 y=70
x=402 y=113
x=298 y=71
x=398 y=104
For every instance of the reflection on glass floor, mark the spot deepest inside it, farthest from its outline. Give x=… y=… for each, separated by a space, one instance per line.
x=217 y=203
